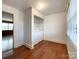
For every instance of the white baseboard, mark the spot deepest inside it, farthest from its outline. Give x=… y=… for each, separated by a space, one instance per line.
x=28 y=46
x=55 y=41
x=35 y=43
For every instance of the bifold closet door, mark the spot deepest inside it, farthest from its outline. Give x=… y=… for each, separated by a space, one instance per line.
x=38 y=30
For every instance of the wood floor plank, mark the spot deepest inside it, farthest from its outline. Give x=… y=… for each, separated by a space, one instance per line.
x=43 y=50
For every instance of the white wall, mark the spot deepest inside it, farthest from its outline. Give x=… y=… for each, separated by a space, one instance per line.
x=28 y=27
x=37 y=36
x=18 y=24
x=55 y=27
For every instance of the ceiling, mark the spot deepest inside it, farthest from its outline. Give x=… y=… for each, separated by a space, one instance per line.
x=46 y=7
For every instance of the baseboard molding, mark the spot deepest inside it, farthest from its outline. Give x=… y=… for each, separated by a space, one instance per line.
x=28 y=46
x=35 y=43
x=54 y=41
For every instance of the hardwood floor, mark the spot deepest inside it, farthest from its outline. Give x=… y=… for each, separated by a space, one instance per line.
x=43 y=50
